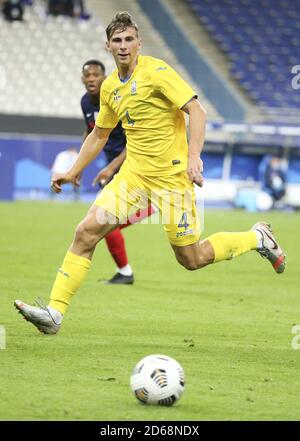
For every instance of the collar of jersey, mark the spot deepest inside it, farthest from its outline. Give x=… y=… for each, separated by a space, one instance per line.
x=125 y=80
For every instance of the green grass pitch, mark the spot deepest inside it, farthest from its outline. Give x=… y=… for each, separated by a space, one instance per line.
x=229 y=325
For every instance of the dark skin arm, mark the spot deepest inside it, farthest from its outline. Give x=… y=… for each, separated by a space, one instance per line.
x=107 y=172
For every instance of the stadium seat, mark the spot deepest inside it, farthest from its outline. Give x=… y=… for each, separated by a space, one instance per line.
x=35 y=50
x=260 y=58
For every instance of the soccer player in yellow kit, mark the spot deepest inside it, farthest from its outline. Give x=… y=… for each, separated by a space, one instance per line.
x=150 y=99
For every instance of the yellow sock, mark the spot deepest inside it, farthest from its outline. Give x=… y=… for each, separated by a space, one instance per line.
x=229 y=245
x=68 y=280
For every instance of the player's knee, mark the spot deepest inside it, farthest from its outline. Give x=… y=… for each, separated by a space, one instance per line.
x=80 y=233
x=84 y=236
x=189 y=263
x=192 y=265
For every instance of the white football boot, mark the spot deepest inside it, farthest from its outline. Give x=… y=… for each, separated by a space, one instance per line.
x=269 y=247
x=46 y=320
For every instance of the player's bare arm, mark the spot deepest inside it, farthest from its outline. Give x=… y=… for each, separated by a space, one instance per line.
x=90 y=149
x=107 y=172
x=197 y=120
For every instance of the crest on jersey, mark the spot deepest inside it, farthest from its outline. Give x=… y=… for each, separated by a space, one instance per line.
x=133 y=87
x=117 y=95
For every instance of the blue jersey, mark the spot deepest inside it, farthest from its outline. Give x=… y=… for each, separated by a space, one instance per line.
x=117 y=139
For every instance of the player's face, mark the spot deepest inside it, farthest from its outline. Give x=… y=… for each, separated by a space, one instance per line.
x=124 y=46
x=92 y=78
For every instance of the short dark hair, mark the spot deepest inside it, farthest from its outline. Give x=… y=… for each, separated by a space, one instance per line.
x=121 y=21
x=94 y=63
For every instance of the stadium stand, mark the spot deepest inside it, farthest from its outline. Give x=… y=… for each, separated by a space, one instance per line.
x=41 y=58
x=50 y=50
x=261 y=40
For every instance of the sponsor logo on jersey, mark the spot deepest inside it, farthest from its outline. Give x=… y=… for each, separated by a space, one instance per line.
x=184 y=233
x=117 y=95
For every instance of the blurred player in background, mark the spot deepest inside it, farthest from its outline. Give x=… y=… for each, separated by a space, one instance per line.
x=63 y=162
x=149 y=97
x=273 y=177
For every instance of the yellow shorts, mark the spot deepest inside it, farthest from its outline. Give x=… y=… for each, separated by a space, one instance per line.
x=173 y=196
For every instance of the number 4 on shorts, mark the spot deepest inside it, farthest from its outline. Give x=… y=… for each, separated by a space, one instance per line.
x=183 y=221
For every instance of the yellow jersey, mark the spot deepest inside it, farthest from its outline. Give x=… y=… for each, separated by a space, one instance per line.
x=148 y=105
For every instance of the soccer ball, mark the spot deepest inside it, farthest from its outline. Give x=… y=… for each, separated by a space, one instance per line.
x=157 y=379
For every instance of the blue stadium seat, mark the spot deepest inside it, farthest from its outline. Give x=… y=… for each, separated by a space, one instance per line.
x=261 y=39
